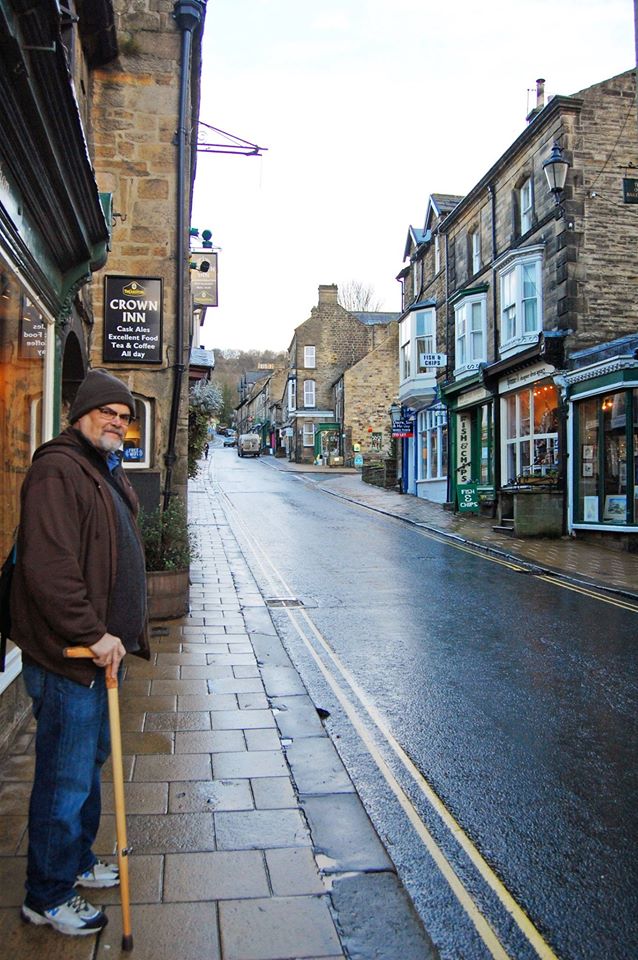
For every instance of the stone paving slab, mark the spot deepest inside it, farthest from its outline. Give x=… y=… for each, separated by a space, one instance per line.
x=343 y=832
x=163 y=931
x=172 y=832
x=317 y=767
x=249 y=764
x=210 y=741
x=293 y=872
x=209 y=796
x=374 y=908
x=277 y=929
x=223 y=875
x=259 y=829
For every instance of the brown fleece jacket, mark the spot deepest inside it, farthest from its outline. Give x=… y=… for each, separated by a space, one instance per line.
x=66 y=556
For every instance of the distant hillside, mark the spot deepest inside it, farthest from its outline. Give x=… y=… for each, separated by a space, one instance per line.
x=229 y=367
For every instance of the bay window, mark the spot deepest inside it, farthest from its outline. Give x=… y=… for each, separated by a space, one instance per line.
x=521 y=299
x=425 y=338
x=470 y=317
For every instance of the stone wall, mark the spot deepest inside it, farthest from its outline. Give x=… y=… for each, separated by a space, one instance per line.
x=370 y=388
x=134 y=123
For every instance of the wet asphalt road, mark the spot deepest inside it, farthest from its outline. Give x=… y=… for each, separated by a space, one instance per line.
x=515 y=698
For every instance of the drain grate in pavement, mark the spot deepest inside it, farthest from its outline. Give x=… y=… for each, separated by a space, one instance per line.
x=284 y=602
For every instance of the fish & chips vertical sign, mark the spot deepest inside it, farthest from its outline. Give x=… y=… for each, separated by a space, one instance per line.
x=132 y=320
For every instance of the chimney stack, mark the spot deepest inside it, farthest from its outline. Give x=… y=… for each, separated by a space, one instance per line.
x=328 y=294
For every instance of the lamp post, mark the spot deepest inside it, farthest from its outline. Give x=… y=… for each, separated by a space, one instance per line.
x=556 y=168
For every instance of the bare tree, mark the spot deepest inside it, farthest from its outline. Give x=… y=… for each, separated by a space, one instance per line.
x=355 y=295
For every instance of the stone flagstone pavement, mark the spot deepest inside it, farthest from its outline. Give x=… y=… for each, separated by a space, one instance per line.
x=230 y=802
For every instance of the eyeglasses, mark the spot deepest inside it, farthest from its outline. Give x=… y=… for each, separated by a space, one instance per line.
x=108 y=414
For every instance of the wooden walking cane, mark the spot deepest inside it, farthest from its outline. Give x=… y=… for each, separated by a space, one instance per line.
x=118 y=790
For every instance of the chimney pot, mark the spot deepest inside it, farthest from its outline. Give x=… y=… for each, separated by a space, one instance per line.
x=540 y=94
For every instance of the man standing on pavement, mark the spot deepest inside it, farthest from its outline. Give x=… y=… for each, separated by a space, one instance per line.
x=79 y=579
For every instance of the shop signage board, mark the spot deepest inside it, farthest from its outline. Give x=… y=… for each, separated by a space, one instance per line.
x=32 y=332
x=463 y=448
x=468 y=497
x=432 y=359
x=630 y=190
x=402 y=428
x=204 y=279
x=132 y=320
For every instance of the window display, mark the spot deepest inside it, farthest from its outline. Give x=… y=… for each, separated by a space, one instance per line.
x=531 y=431
x=607 y=443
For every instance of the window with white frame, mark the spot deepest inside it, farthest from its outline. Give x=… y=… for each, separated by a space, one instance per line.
x=309 y=361
x=521 y=300
x=432 y=430
x=437 y=254
x=475 y=251
x=309 y=393
x=405 y=349
x=292 y=394
x=308 y=434
x=470 y=318
x=425 y=338
x=525 y=201
x=531 y=432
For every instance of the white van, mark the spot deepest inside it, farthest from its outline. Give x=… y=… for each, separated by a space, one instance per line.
x=249 y=444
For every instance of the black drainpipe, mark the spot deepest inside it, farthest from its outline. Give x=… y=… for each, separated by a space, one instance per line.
x=188 y=16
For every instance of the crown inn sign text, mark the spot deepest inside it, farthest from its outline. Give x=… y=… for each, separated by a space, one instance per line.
x=132 y=320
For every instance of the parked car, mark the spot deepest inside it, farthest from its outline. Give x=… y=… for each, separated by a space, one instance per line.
x=249 y=444
x=230 y=440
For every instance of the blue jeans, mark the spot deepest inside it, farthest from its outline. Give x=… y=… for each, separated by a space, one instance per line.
x=72 y=743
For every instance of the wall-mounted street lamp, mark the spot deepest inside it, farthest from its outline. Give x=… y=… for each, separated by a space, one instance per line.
x=556 y=168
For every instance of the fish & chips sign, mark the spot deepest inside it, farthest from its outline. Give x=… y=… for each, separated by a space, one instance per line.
x=132 y=320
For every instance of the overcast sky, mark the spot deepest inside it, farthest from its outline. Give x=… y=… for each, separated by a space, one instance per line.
x=366 y=108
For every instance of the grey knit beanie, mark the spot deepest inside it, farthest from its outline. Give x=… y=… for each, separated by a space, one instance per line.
x=98 y=389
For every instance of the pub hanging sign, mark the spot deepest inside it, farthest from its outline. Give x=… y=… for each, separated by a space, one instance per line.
x=132 y=320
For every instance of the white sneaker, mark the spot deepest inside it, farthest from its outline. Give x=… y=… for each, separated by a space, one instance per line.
x=76 y=917
x=100 y=875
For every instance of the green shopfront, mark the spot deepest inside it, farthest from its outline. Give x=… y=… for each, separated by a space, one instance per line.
x=603 y=413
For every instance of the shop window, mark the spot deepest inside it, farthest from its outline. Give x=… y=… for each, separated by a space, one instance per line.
x=26 y=343
x=531 y=433
x=607 y=447
x=137 y=442
x=432 y=426
x=485 y=439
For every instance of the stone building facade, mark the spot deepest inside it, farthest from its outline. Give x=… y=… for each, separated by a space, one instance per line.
x=532 y=296
x=330 y=341
x=364 y=396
